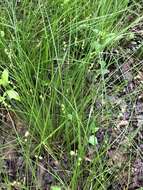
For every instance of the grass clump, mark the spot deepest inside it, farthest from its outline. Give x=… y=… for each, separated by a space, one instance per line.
x=58 y=55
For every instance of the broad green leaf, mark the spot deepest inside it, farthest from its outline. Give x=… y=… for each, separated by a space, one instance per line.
x=55 y=188
x=70 y=117
x=12 y=94
x=93 y=127
x=93 y=140
x=4 y=78
x=2 y=99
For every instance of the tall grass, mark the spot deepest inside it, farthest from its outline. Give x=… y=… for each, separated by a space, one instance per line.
x=49 y=48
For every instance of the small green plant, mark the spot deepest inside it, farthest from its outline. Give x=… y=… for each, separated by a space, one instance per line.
x=93 y=140
x=9 y=92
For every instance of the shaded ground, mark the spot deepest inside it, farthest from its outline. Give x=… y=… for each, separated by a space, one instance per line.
x=126 y=137
x=14 y=168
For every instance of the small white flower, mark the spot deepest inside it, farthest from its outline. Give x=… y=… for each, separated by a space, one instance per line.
x=8 y=52
x=79 y=159
x=41 y=97
x=36 y=156
x=73 y=153
x=63 y=107
x=40 y=158
x=27 y=134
